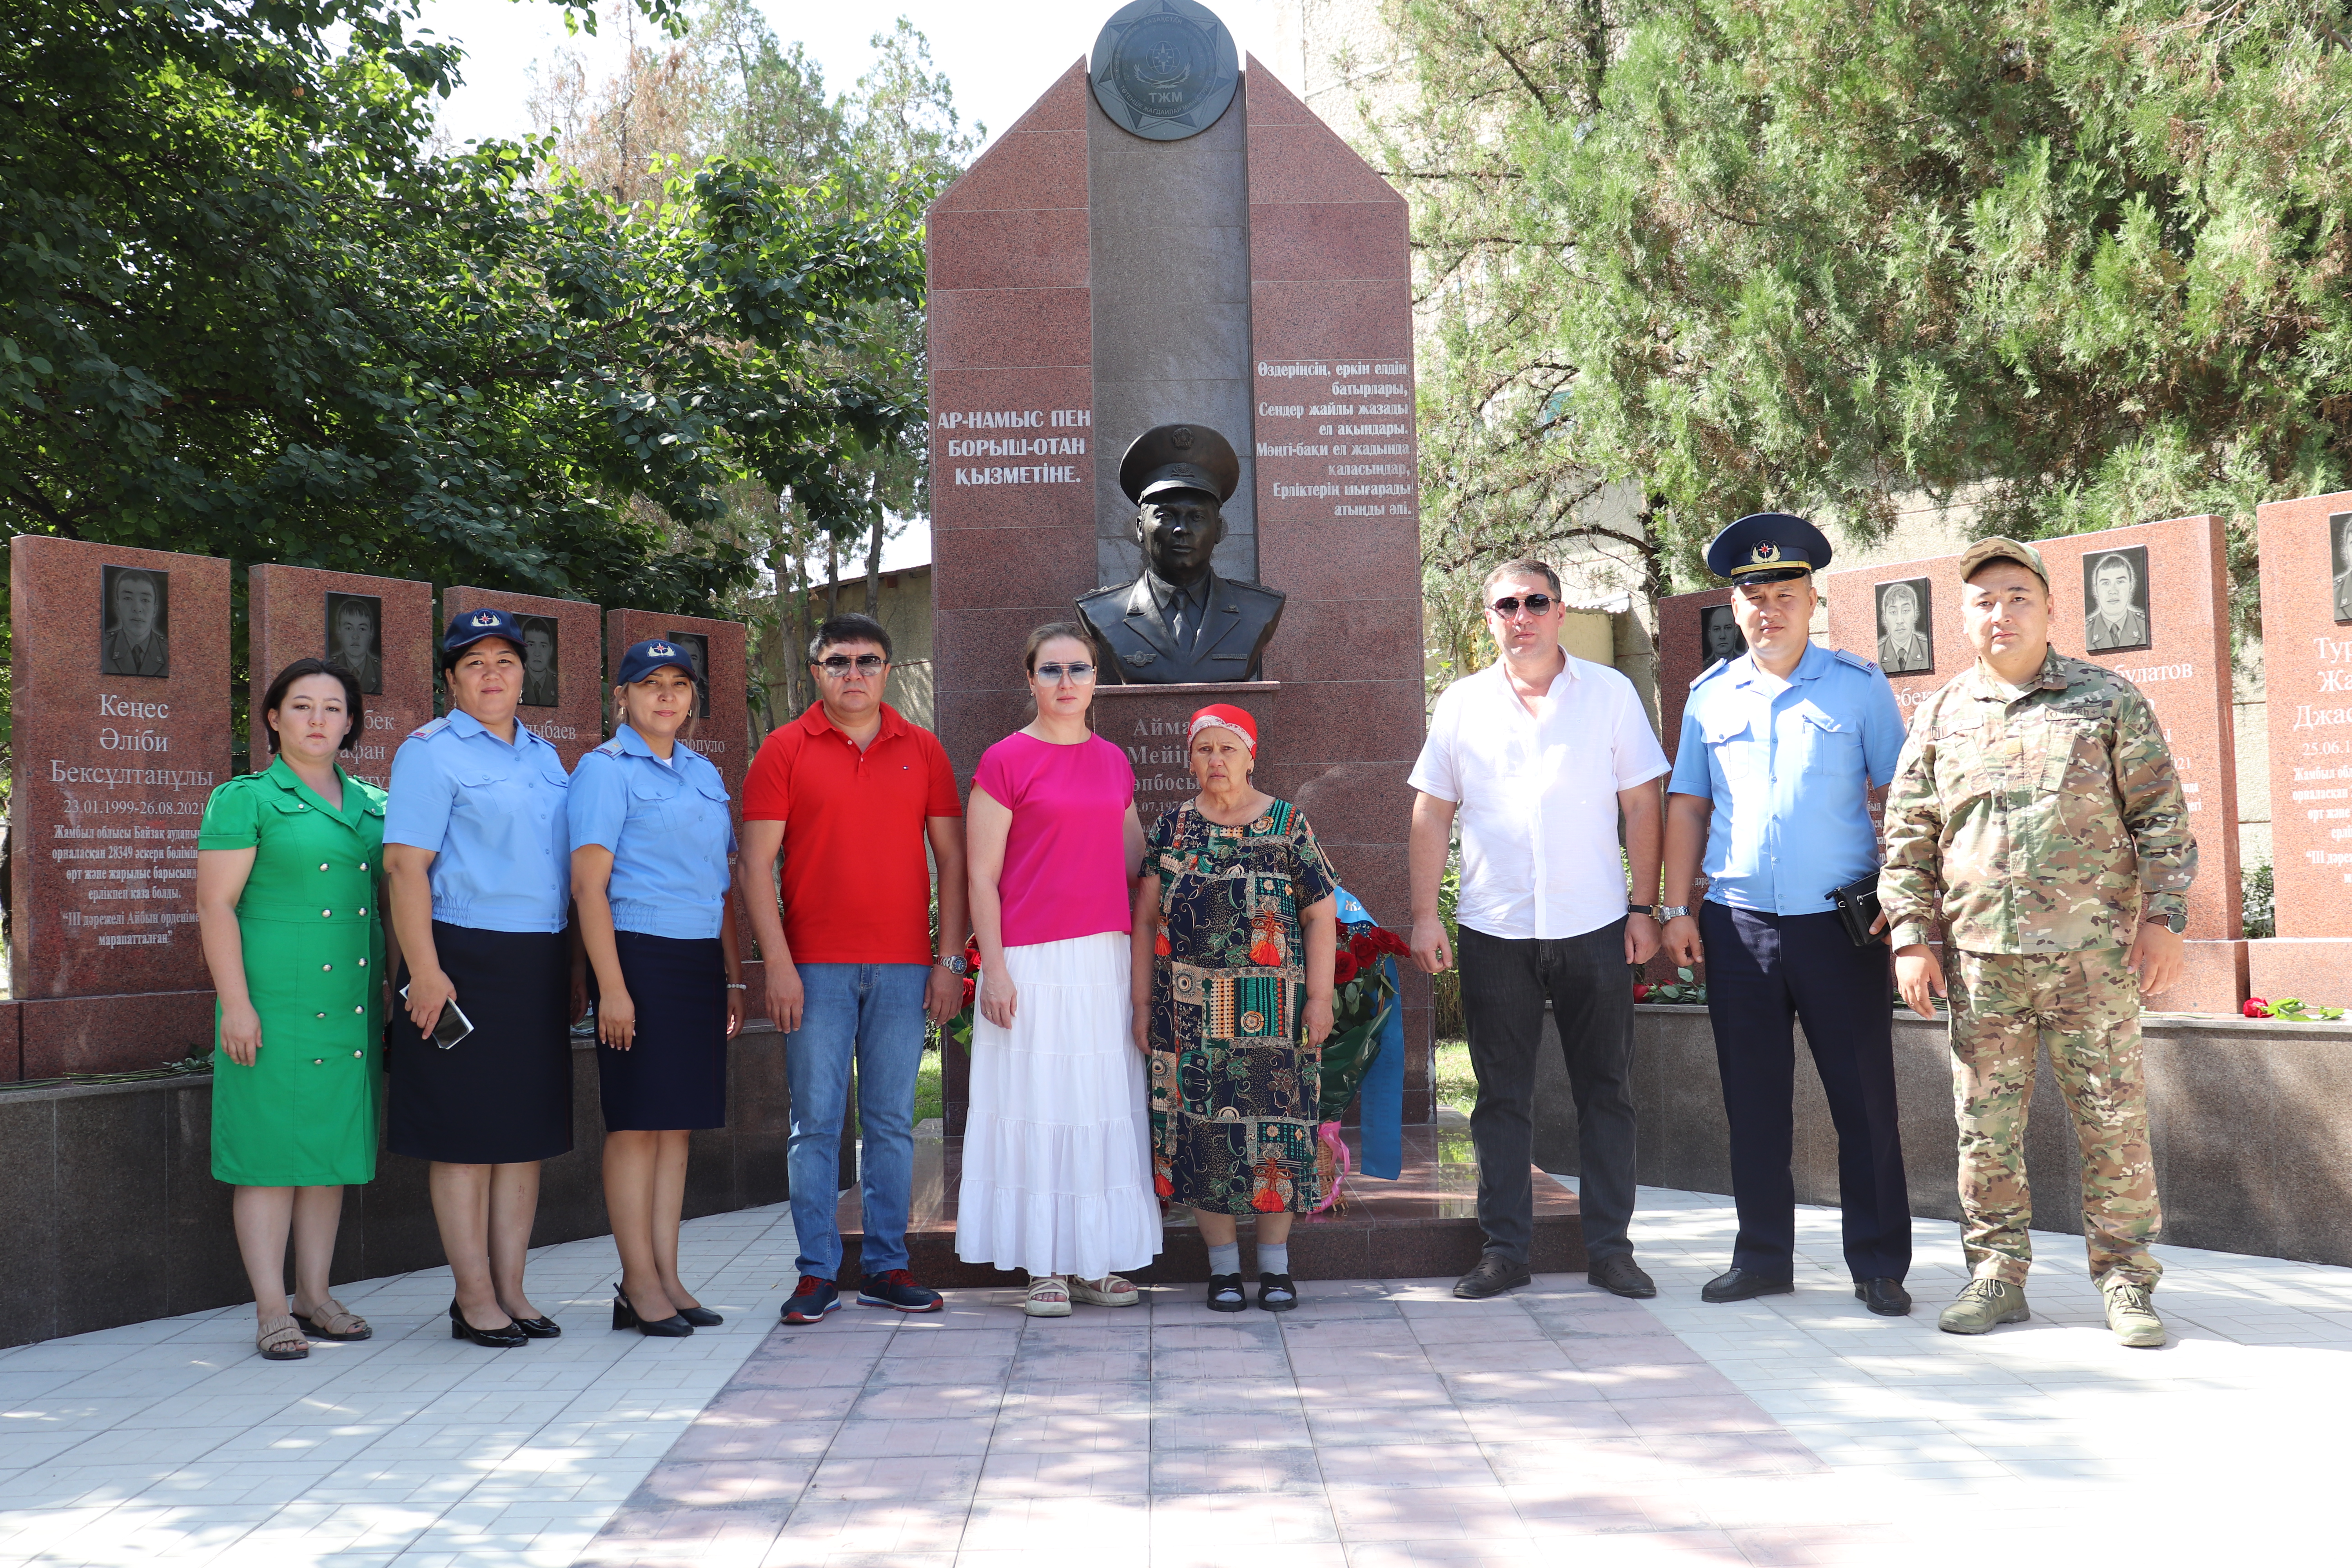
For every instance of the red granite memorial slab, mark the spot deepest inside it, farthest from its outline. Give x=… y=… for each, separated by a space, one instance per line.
x=1927 y=593
x=722 y=730
x=1423 y=1224
x=1694 y=630
x=2306 y=589
x=381 y=628
x=121 y=714
x=563 y=664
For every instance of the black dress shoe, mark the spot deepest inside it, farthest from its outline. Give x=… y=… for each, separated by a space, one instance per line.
x=1743 y=1285
x=540 y=1328
x=1885 y=1297
x=498 y=1339
x=1494 y=1275
x=1621 y=1276
x=624 y=1316
x=701 y=1317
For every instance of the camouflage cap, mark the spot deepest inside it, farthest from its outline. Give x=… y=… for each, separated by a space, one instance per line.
x=1998 y=549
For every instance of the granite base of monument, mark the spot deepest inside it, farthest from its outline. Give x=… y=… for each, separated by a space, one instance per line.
x=1423 y=1225
x=2318 y=969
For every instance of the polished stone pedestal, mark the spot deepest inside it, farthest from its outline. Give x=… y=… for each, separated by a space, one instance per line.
x=1423 y=1225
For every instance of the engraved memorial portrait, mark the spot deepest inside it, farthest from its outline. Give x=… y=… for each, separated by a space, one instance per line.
x=2115 y=600
x=355 y=637
x=697 y=649
x=2340 y=552
x=540 y=688
x=1719 y=637
x=1907 y=639
x=135 y=613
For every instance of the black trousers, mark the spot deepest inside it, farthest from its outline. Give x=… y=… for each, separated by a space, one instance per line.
x=1505 y=982
x=1761 y=971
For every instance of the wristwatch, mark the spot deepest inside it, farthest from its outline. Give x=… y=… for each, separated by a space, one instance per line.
x=954 y=965
x=1648 y=910
x=1673 y=911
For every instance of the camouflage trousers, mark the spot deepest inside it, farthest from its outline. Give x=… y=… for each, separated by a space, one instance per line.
x=2087 y=1005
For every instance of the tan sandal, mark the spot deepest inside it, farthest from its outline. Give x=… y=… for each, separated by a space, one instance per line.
x=1049 y=1297
x=279 y=1340
x=333 y=1320
x=1113 y=1291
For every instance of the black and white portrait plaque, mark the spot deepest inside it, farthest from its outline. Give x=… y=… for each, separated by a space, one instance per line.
x=540 y=686
x=2115 y=600
x=135 y=615
x=355 y=637
x=1906 y=633
x=2339 y=549
x=697 y=649
x=1718 y=635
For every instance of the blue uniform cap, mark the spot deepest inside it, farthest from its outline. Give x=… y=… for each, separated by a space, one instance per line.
x=469 y=626
x=642 y=658
x=1767 y=547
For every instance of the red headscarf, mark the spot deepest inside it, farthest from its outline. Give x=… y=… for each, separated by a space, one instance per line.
x=1224 y=715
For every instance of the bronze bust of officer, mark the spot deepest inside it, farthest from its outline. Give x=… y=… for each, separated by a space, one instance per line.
x=1180 y=621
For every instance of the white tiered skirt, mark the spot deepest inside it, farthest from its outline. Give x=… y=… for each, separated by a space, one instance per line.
x=1058 y=1143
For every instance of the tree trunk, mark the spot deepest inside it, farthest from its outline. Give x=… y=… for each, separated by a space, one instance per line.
x=874 y=572
x=832 y=575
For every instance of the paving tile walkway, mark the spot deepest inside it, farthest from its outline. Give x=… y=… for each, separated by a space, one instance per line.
x=1383 y=1424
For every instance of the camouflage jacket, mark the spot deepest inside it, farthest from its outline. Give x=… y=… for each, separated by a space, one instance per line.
x=2037 y=816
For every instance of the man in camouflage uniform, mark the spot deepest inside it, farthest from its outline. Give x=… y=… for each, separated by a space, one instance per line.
x=2036 y=801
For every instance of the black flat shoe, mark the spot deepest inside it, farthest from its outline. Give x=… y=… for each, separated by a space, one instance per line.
x=701 y=1317
x=1275 y=1293
x=504 y=1338
x=1743 y=1285
x=1885 y=1297
x=1620 y=1275
x=674 y=1327
x=1494 y=1275
x=540 y=1328
x=1225 y=1294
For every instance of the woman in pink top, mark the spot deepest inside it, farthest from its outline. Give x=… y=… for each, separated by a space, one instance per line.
x=1058 y=1144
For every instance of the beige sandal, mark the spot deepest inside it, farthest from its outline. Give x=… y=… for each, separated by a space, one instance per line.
x=1049 y=1297
x=333 y=1320
x=1113 y=1291
x=279 y=1340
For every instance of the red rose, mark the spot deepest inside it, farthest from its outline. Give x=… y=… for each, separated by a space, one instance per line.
x=1363 y=947
x=1388 y=942
x=1343 y=967
x=1641 y=992
x=2257 y=1008
x=968 y=991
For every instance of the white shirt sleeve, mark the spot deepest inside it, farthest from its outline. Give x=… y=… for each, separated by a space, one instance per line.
x=1437 y=772
x=1636 y=752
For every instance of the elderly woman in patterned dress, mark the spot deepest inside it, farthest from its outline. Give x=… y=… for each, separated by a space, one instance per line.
x=1234 y=931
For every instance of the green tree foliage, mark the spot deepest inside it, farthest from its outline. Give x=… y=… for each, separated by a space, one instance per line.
x=2077 y=264
x=245 y=311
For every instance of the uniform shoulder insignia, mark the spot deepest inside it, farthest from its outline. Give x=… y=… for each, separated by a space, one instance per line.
x=1844 y=656
x=611 y=748
x=1707 y=674
x=429 y=729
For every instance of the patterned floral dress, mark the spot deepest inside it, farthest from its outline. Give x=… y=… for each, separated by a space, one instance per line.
x=1233 y=1088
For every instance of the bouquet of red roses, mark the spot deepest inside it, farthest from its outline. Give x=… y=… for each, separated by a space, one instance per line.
x=959 y=1028
x=1363 y=994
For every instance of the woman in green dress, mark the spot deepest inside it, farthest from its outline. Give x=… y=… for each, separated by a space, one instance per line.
x=289 y=873
x=1235 y=926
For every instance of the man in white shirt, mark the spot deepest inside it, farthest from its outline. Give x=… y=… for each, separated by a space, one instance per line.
x=1539 y=755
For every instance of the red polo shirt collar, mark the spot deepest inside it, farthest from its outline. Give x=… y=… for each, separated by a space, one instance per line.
x=816 y=723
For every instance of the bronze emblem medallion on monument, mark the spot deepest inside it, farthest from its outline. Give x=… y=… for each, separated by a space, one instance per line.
x=1165 y=70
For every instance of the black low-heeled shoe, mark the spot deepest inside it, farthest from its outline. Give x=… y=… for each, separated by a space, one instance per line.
x=701 y=1317
x=624 y=1316
x=1267 y=1284
x=538 y=1328
x=504 y=1338
x=1225 y=1294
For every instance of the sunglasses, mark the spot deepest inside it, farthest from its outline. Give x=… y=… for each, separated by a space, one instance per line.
x=1537 y=605
x=842 y=664
x=1079 y=674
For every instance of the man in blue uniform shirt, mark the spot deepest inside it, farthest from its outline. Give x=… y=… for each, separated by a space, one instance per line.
x=1779 y=750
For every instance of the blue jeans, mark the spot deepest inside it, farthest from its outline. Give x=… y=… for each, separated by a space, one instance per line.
x=873 y=1013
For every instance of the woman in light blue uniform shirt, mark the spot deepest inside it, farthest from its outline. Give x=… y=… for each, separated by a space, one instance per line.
x=476 y=853
x=651 y=840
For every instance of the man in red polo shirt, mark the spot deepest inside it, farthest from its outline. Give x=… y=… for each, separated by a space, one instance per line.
x=848 y=794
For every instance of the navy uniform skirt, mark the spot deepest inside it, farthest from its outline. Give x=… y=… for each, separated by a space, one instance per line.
x=502 y=1095
x=673 y=1077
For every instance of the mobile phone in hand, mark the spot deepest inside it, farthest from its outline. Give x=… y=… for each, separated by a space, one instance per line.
x=451 y=1026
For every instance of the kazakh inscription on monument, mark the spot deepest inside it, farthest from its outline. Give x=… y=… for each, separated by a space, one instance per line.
x=1165 y=70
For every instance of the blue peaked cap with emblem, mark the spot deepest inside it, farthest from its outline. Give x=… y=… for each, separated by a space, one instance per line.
x=467 y=627
x=642 y=658
x=1767 y=547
